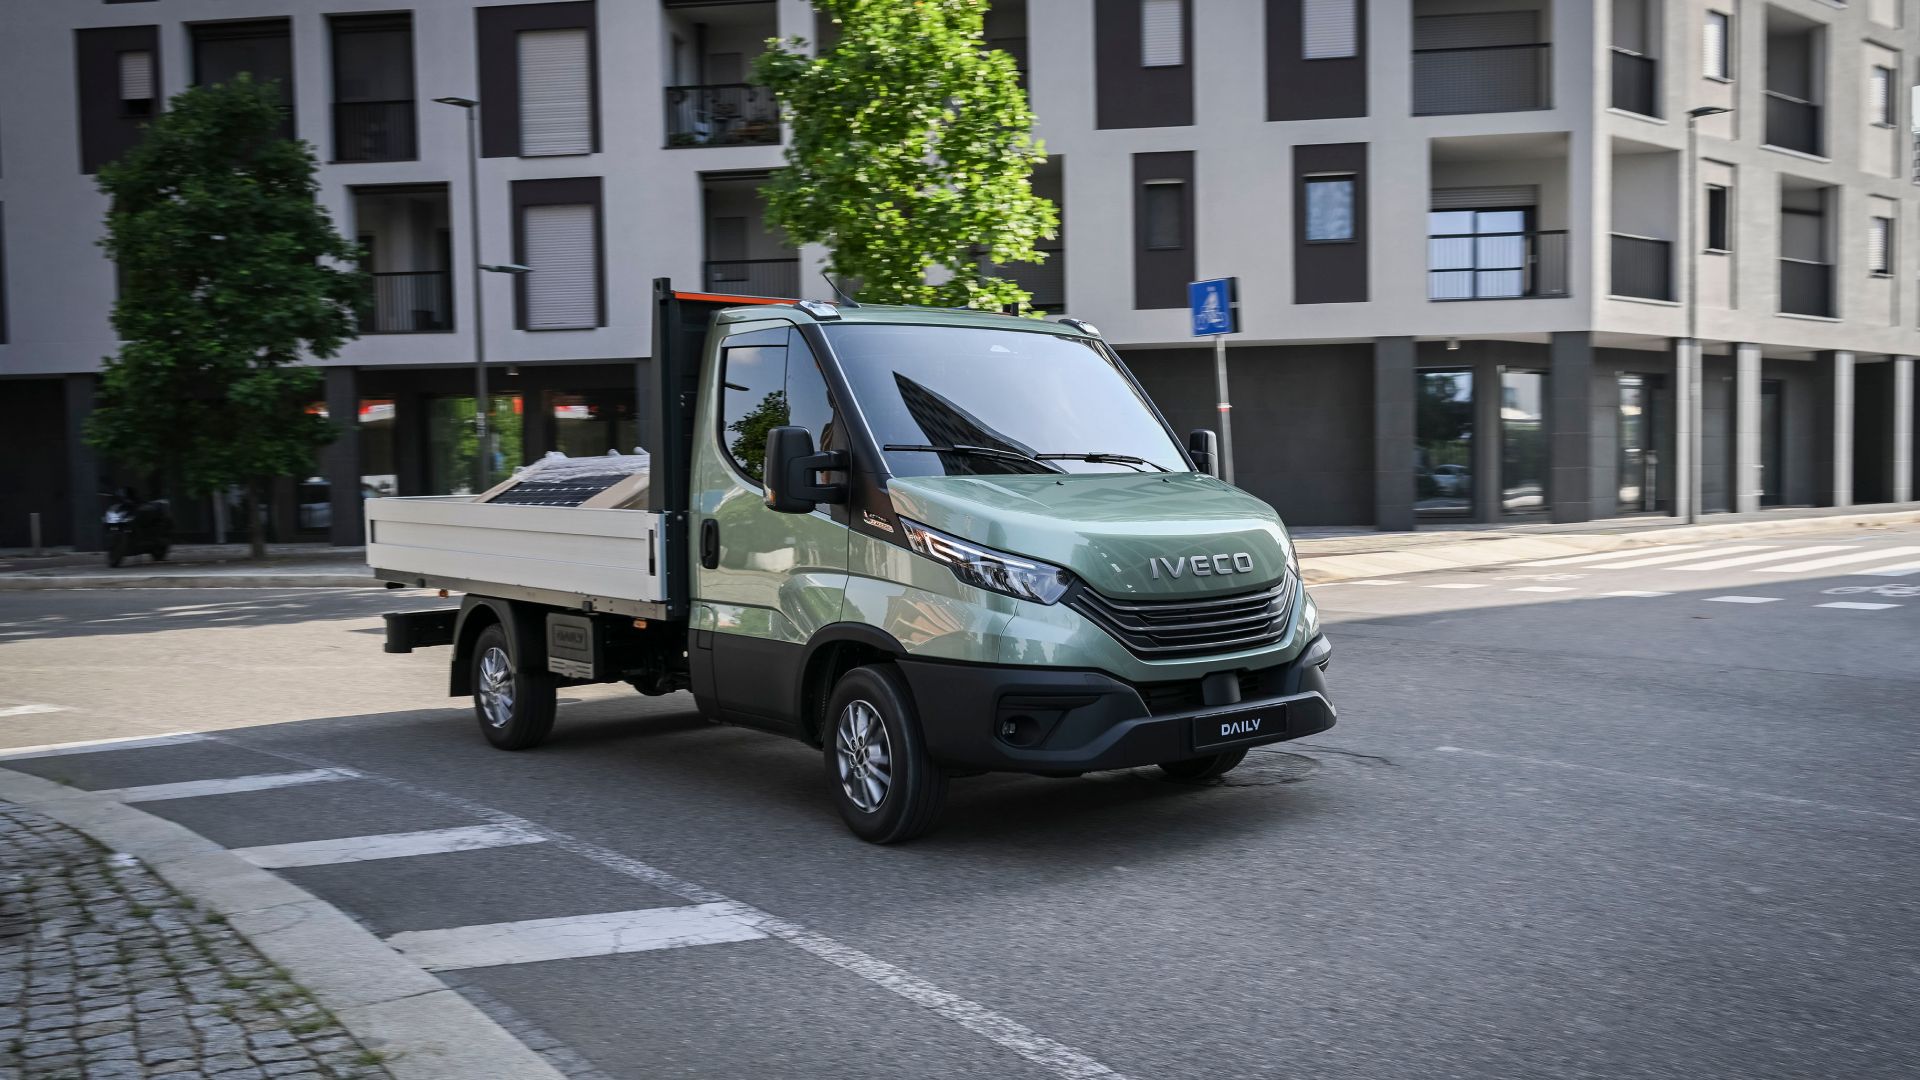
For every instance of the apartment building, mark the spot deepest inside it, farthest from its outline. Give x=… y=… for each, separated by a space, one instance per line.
x=1460 y=228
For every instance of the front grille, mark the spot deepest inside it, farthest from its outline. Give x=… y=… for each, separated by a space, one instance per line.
x=1157 y=629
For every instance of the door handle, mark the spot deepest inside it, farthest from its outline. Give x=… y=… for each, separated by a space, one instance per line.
x=709 y=543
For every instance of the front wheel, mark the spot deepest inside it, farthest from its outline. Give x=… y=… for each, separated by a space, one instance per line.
x=1203 y=768
x=887 y=787
x=515 y=707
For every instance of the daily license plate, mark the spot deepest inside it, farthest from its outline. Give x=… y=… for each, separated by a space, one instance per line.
x=1239 y=727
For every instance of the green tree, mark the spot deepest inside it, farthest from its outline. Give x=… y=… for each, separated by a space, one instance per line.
x=911 y=148
x=228 y=282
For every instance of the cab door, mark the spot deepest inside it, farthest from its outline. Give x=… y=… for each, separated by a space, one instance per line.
x=763 y=582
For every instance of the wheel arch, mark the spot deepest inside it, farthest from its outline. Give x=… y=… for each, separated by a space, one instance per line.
x=522 y=622
x=834 y=650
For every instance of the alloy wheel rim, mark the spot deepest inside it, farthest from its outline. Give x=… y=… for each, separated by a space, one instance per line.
x=496 y=687
x=864 y=756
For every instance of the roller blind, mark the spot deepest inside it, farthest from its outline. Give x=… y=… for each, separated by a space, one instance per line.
x=556 y=93
x=1713 y=46
x=1328 y=29
x=563 y=289
x=136 y=76
x=1480 y=198
x=1161 y=43
x=1879 y=245
x=1880 y=96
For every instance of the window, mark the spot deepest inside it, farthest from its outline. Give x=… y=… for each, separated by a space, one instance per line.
x=562 y=248
x=1880 y=96
x=1715 y=42
x=1477 y=254
x=1329 y=201
x=1880 y=246
x=136 y=82
x=1329 y=29
x=1162 y=36
x=1166 y=215
x=769 y=385
x=556 y=96
x=1717 y=205
x=373 y=110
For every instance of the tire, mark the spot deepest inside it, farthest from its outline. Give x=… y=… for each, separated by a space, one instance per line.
x=160 y=553
x=514 y=707
x=887 y=787
x=1210 y=767
x=116 y=551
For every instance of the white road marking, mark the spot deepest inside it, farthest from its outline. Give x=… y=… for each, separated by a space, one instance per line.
x=1457 y=585
x=1839 y=560
x=1765 y=556
x=1377 y=581
x=353 y=849
x=1855 y=605
x=1052 y=1055
x=1635 y=592
x=1570 y=560
x=1542 y=588
x=1901 y=570
x=1693 y=784
x=94 y=746
x=573 y=936
x=1742 y=599
x=29 y=710
x=193 y=789
x=1682 y=557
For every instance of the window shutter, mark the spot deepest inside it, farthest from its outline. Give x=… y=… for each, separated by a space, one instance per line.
x=1878 y=232
x=556 y=96
x=1480 y=198
x=1880 y=94
x=1161 y=42
x=136 y=76
x=1714 y=45
x=1329 y=29
x=562 y=291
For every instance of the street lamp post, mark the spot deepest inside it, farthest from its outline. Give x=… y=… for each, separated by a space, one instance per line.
x=482 y=404
x=1696 y=381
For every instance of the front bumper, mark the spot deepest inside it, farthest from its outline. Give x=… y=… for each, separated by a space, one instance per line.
x=1040 y=720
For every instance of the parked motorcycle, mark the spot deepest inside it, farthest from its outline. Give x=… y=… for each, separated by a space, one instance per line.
x=137 y=528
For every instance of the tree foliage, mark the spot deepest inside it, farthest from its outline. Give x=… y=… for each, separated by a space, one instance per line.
x=911 y=149
x=227 y=285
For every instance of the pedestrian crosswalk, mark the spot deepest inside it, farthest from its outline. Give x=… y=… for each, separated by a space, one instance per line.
x=1751 y=558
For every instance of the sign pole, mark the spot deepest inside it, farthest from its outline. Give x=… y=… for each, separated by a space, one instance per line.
x=1226 y=406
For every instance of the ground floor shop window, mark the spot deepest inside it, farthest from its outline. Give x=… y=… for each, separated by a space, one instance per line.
x=452 y=443
x=379 y=475
x=1443 y=458
x=591 y=423
x=1523 y=442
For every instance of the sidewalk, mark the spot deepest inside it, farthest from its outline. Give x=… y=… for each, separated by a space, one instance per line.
x=193 y=566
x=108 y=974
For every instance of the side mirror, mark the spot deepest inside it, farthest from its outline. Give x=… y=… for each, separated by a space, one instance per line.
x=1203 y=446
x=792 y=468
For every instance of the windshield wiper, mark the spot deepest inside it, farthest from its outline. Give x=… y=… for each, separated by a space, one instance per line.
x=1104 y=458
x=963 y=448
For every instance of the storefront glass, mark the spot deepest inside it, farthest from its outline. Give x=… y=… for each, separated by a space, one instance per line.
x=590 y=423
x=1523 y=442
x=1443 y=461
x=452 y=442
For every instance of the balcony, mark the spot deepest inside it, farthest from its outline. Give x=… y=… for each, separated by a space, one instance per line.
x=1806 y=288
x=1642 y=267
x=754 y=277
x=373 y=130
x=410 y=302
x=1497 y=266
x=1793 y=123
x=406 y=239
x=725 y=114
x=1635 y=79
x=1482 y=78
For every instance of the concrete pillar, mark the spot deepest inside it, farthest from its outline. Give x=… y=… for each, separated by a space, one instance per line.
x=1570 y=425
x=83 y=466
x=340 y=461
x=1833 y=430
x=1686 y=429
x=1486 y=441
x=1393 y=434
x=1747 y=479
x=1902 y=429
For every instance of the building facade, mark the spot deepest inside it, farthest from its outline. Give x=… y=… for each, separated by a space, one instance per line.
x=1459 y=228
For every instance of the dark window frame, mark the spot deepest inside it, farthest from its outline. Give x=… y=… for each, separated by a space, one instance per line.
x=1160 y=275
x=104 y=128
x=352 y=23
x=1720 y=230
x=153 y=70
x=565 y=191
x=1727 y=49
x=497 y=36
x=1183 y=227
x=264 y=28
x=1352 y=181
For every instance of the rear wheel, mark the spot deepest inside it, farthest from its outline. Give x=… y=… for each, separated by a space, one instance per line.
x=1203 y=768
x=514 y=706
x=116 y=550
x=886 y=786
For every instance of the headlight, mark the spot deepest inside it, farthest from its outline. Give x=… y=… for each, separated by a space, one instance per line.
x=984 y=568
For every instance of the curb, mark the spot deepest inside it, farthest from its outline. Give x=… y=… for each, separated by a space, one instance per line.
x=191 y=581
x=426 y=1029
x=1496 y=551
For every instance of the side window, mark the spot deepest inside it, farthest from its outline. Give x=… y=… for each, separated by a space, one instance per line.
x=807 y=401
x=755 y=402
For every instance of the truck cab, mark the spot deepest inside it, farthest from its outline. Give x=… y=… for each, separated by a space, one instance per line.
x=931 y=543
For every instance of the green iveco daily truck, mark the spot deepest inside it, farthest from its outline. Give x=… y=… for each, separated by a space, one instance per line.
x=931 y=543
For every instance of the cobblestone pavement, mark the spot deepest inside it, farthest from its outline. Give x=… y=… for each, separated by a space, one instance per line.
x=107 y=974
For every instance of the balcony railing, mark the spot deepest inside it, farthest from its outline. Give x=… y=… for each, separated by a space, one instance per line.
x=373 y=131
x=1497 y=266
x=1792 y=123
x=732 y=114
x=1643 y=267
x=1482 y=78
x=754 y=277
x=1047 y=281
x=410 y=302
x=1806 y=287
x=1634 y=79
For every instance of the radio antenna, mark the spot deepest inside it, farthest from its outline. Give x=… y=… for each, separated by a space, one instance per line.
x=838 y=293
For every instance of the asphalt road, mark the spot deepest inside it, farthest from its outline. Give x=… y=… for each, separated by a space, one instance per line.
x=1577 y=820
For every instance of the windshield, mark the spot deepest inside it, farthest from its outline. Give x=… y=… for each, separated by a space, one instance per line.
x=966 y=401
